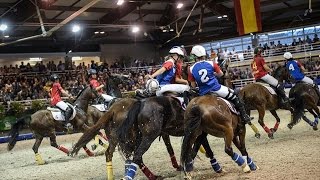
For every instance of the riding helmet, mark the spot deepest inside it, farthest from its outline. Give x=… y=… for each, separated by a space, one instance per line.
x=54 y=77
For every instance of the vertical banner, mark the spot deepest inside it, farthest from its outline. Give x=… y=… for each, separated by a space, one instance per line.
x=248 y=16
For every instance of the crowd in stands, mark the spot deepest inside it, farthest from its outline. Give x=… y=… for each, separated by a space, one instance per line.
x=23 y=82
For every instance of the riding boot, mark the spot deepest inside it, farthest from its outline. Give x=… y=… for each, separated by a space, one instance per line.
x=185 y=98
x=239 y=105
x=111 y=102
x=68 y=114
x=284 y=100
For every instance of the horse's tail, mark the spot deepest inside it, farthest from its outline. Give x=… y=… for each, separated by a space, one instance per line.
x=194 y=120
x=14 y=133
x=92 y=132
x=298 y=106
x=128 y=123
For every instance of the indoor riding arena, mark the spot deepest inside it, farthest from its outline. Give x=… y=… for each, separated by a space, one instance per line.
x=103 y=89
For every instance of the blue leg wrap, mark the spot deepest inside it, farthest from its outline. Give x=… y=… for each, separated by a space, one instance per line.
x=189 y=166
x=238 y=159
x=131 y=172
x=251 y=164
x=316 y=121
x=215 y=165
x=126 y=166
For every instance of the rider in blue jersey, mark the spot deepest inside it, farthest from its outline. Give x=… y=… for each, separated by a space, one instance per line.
x=203 y=73
x=296 y=70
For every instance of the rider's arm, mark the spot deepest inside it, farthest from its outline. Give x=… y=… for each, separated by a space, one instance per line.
x=181 y=81
x=301 y=67
x=99 y=87
x=65 y=93
x=191 y=79
x=217 y=70
x=158 y=72
x=266 y=67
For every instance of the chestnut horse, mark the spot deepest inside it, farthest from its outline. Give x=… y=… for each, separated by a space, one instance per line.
x=257 y=97
x=212 y=115
x=304 y=96
x=43 y=124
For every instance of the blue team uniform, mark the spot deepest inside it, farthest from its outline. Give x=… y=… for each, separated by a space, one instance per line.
x=294 y=69
x=168 y=76
x=203 y=74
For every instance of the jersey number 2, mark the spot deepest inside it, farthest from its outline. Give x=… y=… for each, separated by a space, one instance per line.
x=203 y=73
x=291 y=67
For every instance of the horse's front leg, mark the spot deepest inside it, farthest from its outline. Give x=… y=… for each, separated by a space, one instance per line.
x=276 y=126
x=167 y=142
x=262 y=110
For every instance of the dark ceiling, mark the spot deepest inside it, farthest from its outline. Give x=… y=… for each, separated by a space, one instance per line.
x=152 y=16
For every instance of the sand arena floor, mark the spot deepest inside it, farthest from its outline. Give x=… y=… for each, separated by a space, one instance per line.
x=293 y=154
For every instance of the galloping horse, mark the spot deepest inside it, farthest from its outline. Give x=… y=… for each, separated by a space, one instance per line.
x=43 y=124
x=256 y=96
x=212 y=115
x=304 y=97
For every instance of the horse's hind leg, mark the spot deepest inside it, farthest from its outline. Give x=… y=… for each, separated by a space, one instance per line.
x=315 y=112
x=239 y=142
x=275 y=128
x=167 y=142
x=35 y=149
x=109 y=154
x=53 y=143
x=262 y=110
x=137 y=158
x=228 y=149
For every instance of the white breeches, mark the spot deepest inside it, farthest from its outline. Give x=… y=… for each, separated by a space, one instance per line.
x=62 y=105
x=224 y=91
x=179 y=88
x=307 y=80
x=270 y=80
x=107 y=98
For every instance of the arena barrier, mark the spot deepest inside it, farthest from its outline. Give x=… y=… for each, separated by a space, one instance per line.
x=23 y=137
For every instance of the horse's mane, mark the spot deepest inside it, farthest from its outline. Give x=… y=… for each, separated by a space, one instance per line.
x=80 y=93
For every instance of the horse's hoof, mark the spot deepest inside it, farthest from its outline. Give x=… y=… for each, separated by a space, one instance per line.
x=41 y=162
x=246 y=169
x=93 y=147
x=289 y=126
x=179 y=168
x=315 y=128
x=270 y=135
x=257 y=135
x=273 y=130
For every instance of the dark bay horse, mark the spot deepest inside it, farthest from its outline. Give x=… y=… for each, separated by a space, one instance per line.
x=43 y=124
x=304 y=96
x=257 y=97
x=212 y=115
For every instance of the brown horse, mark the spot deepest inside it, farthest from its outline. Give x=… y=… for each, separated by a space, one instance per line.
x=212 y=115
x=43 y=124
x=257 y=97
x=304 y=96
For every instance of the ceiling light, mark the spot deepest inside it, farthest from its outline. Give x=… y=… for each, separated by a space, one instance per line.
x=76 y=28
x=70 y=51
x=225 y=16
x=219 y=17
x=101 y=32
x=97 y=32
x=135 y=29
x=145 y=34
x=35 y=59
x=171 y=30
x=179 y=6
x=3 y=27
x=6 y=36
x=76 y=58
x=164 y=30
x=120 y=2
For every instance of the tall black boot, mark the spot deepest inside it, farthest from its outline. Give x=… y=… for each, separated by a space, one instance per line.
x=284 y=100
x=68 y=115
x=186 y=98
x=239 y=105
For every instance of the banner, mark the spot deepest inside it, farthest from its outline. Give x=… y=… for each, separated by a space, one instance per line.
x=248 y=16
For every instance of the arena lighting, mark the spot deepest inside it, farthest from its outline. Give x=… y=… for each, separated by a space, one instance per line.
x=101 y=32
x=76 y=58
x=120 y=2
x=6 y=36
x=171 y=30
x=76 y=28
x=179 y=6
x=219 y=17
x=35 y=59
x=3 y=27
x=97 y=32
x=135 y=29
x=164 y=30
x=225 y=16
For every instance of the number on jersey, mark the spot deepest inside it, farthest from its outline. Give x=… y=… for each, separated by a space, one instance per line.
x=291 y=67
x=254 y=66
x=203 y=73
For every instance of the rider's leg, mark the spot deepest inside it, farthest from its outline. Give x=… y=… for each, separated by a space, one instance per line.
x=178 y=88
x=67 y=111
x=279 y=87
x=231 y=96
x=107 y=98
x=313 y=83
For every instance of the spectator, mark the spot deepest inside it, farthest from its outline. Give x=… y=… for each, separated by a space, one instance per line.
x=315 y=39
x=308 y=40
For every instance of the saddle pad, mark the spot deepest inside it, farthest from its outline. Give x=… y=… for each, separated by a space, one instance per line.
x=231 y=106
x=181 y=101
x=58 y=115
x=100 y=107
x=269 y=88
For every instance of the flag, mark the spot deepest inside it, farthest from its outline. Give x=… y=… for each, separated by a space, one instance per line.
x=248 y=16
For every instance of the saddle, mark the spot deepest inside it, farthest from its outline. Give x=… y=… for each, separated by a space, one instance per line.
x=58 y=114
x=230 y=105
x=100 y=107
x=267 y=86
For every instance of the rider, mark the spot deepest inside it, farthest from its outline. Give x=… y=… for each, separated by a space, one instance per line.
x=204 y=73
x=296 y=70
x=260 y=71
x=167 y=75
x=56 y=92
x=98 y=87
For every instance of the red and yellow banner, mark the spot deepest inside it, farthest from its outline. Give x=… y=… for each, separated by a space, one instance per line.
x=248 y=16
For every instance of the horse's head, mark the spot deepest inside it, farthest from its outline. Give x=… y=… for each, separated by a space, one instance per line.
x=281 y=73
x=112 y=85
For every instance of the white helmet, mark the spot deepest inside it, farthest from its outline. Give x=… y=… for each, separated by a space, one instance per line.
x=287 y=55
x=198 y=51
x=176 y=50
x=152 y=86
